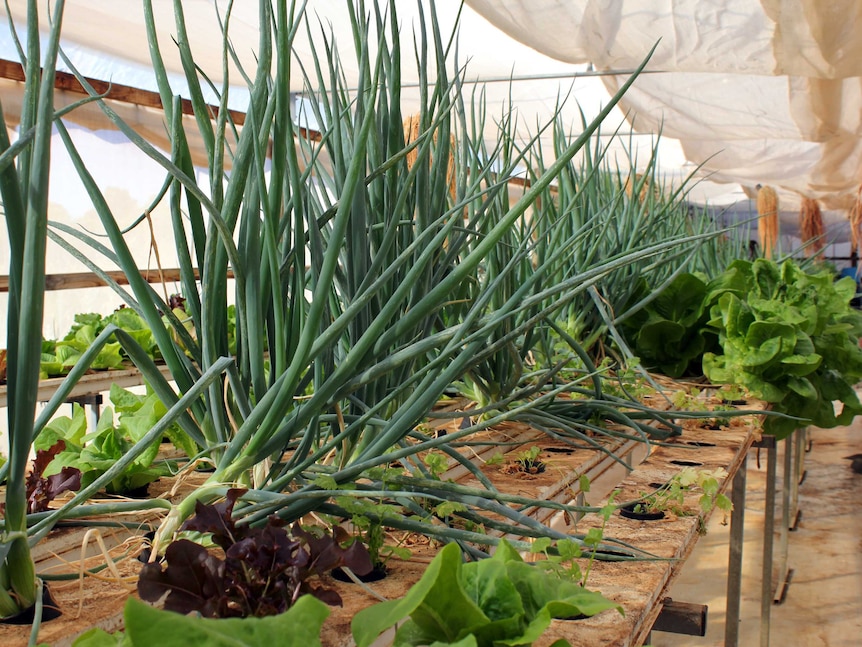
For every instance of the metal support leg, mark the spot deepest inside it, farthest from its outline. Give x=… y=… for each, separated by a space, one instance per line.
x=789 y=476
x=734 y=559
x=800 y=440
x=768 y=528
x=92 y=404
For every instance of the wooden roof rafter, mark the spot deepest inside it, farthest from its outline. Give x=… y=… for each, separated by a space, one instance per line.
x=14 y=71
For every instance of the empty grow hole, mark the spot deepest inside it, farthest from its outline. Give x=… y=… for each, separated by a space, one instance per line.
x=375 y=575
x=695 y=443
x=558 y=450
x=687 y=463
x=50 y=611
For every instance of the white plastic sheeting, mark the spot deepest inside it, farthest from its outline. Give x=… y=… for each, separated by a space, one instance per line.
x=808 y=38
x=107 y=40
x=757 y=92
x=120 y=52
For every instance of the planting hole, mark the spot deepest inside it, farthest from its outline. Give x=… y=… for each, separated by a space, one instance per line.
x=687 y=463
x=632 y=511
x=695 y=443
x=377 y=573
x=580 y=616
x=50 y=611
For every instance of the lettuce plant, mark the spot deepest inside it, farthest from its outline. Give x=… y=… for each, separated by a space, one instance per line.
x=42 y=488
x=94 y=454
x=264 y=571
x=791 y=339
x=497 y=601
x=668 y=333
x=58 y=356
x=299 y=626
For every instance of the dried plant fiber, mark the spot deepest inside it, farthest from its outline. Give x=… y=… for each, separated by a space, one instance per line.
x=411 y=133
x=856 y=222
x=811 y=227
x=767 y=222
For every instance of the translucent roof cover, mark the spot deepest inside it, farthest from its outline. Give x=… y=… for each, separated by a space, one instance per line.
x=756 y=92
x=746 y=92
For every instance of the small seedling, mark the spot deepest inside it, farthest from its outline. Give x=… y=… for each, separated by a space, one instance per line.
x=670 y=497
x=496 y=459
x=732 y=394
x=528 y=461
x=685 y=400
x=437 y=464
x=708 y=483
x=595 y=535
x=718 y=422
x=631 y=380
x=560 y=559
x=584 y=483
x=366 y=519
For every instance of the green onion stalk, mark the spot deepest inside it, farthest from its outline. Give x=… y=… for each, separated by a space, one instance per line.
x=24 y=189
x=370 y=270
x=24 y=180
x=632 y=208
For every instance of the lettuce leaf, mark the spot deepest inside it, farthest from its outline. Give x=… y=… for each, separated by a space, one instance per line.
x=498 y=601
x=791 y=338
x=299 y=626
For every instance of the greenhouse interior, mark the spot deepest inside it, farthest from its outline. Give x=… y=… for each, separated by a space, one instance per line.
x=477 y=323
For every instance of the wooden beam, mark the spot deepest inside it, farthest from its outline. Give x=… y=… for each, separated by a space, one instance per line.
x=96 y=382
x=14 y=71
x=78 y=280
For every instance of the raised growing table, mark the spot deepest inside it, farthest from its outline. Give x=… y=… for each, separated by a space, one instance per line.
x=89 y=384
x=640 y=587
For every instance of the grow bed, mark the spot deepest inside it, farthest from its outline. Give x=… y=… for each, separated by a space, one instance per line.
x=562 y=467
x=639 y=587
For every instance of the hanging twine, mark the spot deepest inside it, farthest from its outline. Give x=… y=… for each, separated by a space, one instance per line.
x=411 y=133
x=855 y=217
x=811 y=226
x=646 y=187
x=767 y=222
